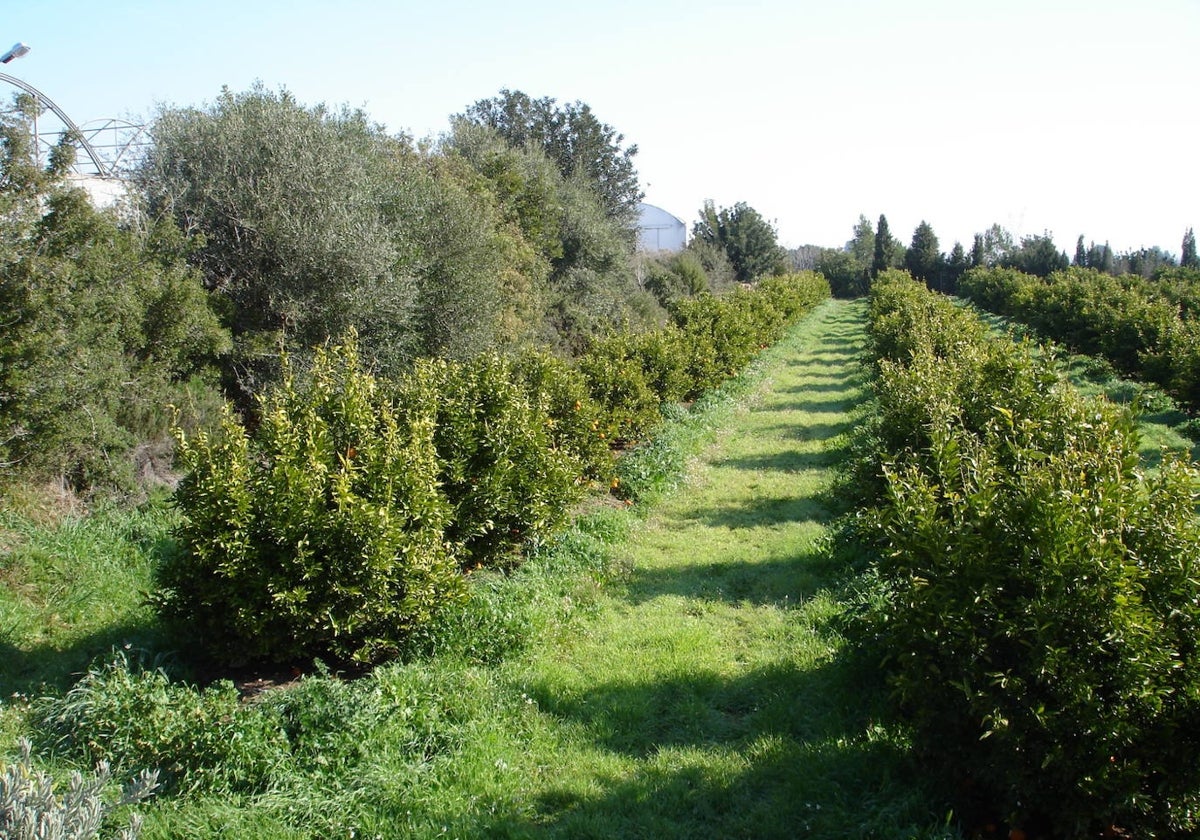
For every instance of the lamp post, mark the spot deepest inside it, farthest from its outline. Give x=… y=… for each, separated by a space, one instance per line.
x=18 y=50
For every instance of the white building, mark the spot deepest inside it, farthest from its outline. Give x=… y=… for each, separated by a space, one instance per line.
x=658 y=230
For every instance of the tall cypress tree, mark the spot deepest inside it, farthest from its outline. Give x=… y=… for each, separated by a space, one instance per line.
x=1106 y=259
x=1188 y=258
x=1081 y=259
x=977 y=251
x=883 y=247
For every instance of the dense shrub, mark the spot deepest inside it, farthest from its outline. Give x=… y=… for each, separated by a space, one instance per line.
x=619 y=382
x=339 y=525
x=710 y=339
x=507 y=480
x=1041 y=611
x=321 y=532
x=104 y=325
x=574 y=417
x=1144 y=328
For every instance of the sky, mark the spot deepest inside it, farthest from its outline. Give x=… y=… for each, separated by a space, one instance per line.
x=1073 y=117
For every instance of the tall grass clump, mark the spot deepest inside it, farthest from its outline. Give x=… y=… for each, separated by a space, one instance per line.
x=1042 y=595
x=132 y=717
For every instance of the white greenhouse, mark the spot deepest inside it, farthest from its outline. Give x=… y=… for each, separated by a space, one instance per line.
x=658 y=230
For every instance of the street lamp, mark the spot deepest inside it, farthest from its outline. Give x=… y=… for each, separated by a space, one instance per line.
x=18 y=50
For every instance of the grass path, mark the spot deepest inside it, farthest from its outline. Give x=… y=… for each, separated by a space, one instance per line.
x=709 y=696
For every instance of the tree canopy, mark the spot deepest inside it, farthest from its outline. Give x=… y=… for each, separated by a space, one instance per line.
x=572 y=137
x=104 y=324
x=749 y=240
x=923 y=259
x=314 y=221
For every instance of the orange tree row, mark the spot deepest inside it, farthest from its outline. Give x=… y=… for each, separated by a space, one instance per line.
x=1040 y=597
x=345 y=520
x=1146 y=328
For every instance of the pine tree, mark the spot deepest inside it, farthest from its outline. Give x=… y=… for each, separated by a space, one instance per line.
x=1081 y=259
x=923 y=259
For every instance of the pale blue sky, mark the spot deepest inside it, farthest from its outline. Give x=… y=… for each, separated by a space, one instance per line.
x=1070 y=116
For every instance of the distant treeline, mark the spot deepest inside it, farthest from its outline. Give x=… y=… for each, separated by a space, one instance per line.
x=873 y=249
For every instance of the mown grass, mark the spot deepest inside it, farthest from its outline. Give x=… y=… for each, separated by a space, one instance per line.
x=669 y=668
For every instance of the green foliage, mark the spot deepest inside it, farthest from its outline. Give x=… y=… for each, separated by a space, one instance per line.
x=132 y=717
x=592 y=283
x=848 y=278
x=887 y=249
x=525 y=181
x=31 y=809
x=314 y=222
x=923 y=260
x=749 y=240
x=573 y=138
x=620 y=384
x=1041 y=594
x=1187 y=254
x=573 y=416
x=104 y=326
x=1144 y=262
x=581 y=275
x=861 y=246
x=315 y=731
x=291 y=203
x=678 y=276
x=508 y=481
x=633 y=375
x=715 y=262
x=1145 y=328
x=1037 y=255
x=319 y=534
x=480 y=284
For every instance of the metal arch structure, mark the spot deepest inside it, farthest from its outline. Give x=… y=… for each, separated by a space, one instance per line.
x=102 y=167
x=117 y=142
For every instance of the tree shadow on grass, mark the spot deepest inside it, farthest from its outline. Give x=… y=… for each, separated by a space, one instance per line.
x=826 y=360
x=790 y=461
x=31 y=669
x=829 y=385
x=639 y=718
x=808 y=759
x=812 y=432
x=779 y=581
x=759 y=512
